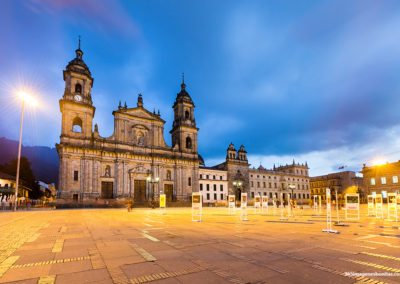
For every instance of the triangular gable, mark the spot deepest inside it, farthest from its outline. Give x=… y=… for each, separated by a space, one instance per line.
x=140 y=112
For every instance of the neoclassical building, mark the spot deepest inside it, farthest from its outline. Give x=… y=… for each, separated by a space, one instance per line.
x=134 y=161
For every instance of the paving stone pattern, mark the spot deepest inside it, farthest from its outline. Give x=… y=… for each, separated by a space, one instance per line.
x=165 y=246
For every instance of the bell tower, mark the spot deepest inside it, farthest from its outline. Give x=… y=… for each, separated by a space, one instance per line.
x=184 y=130
x=76 y=104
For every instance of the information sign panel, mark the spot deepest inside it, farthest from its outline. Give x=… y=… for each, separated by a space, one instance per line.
x=231 y=204
x=243 y=206
x=264 y=204
x=197 y=207
x=257 y=201
x=392 y=206
x=371 y=205
x=162 y=201
x=352 y=206
x=379 y=206
x=329 y=213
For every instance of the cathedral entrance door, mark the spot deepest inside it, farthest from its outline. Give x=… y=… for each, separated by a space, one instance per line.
x=169 y=192
x=106 y=189
x=139 y=191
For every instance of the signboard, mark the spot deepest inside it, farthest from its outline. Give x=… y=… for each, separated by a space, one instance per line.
x=257 y=201
x=231 y=203
x=378 y=206
x=329 y=213
x=371 y=205
x=162 y=201
x=264 y=201
x=328 y=199
x=243 y=205
x=317 y=204
x=197 y=206
x=392 y=206
x=243 y=200
x=352 y=206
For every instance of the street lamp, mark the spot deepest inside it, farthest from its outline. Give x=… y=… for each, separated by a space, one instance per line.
x=151 y=181
x=237 y=184
x=292 y=187
x=25 y=98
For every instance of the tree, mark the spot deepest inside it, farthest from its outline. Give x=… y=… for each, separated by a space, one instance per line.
x=27 y=178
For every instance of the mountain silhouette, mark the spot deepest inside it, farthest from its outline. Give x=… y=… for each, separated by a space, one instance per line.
x=44 y=160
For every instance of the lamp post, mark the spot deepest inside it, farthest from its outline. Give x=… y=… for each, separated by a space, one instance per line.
x=151 y=181
x=237 y=184
x=25 y=98
x=291 y=187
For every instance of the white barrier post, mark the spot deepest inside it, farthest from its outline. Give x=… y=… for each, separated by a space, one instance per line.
x=197 y=207
x=274 y=205
x=371 y=205
x=281 y=208
x=315 y=205
x=231 y=204
x=352 y=204
x=264 y=204
x=243 y=207
x=162 y=203
x=329 y=214
x=379 y=206
x=392 y=206
x=397 y=206
x=338 y=223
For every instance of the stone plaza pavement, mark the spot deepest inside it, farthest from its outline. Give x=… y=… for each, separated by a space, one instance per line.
x=145 y=245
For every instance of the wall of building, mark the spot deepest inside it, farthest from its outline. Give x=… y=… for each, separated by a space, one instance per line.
x=213 y=184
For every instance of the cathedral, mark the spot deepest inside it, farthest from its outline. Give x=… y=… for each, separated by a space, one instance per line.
x=134 y=162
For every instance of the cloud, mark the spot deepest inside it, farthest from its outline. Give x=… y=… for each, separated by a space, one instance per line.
x=103 y=16
x=326 y=161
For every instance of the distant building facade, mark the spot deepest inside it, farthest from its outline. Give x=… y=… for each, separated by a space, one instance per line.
x=381 y=178
x=7 y=188
x=340 y=182
x=213 y=184
x=293 y=179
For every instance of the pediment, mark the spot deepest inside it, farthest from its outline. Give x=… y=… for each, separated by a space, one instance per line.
x=139 y=112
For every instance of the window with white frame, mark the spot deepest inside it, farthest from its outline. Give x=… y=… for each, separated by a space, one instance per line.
x=383 y=180
x=373 y=181
x=395 y=179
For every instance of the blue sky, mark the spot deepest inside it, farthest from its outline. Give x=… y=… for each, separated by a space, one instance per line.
x=318 y=81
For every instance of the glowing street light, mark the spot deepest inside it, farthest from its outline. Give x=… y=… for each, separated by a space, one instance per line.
x=26 y=98
x=378 y=162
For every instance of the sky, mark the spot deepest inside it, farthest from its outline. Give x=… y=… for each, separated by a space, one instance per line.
x=315 y=81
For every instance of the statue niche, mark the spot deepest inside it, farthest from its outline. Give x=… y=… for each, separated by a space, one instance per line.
x=140 y=135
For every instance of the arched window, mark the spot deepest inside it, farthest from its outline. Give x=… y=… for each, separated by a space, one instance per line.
x=78 y=88
x=77 y=125
x=187 y=114
x=188 y=143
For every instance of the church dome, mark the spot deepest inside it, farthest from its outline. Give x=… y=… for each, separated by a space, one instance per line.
x=183 y=95
x=77 y=64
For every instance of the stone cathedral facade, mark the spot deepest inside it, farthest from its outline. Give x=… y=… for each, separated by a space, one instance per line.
x=134 y=161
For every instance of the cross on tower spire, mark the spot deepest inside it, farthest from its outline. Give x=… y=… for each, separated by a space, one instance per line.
x=183 y=86
x=79 y=52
